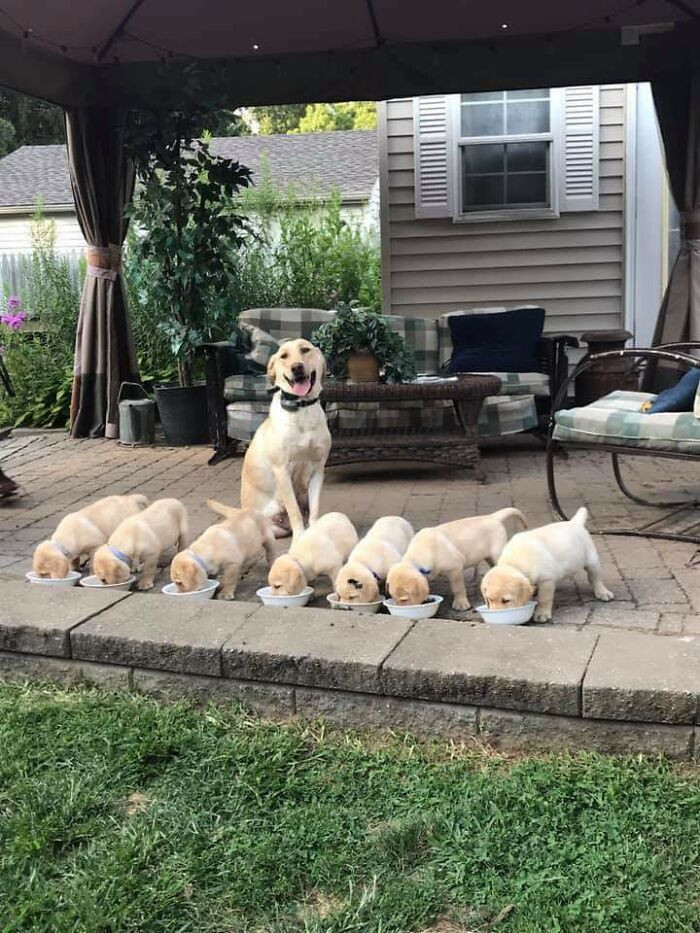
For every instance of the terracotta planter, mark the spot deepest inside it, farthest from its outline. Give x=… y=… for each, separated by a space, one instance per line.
x=363 y=366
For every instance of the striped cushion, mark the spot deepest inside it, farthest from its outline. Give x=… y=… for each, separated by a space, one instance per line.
x=420 y=335
x=500 y=415
x=617 y=419
x=262 y=345
x=247 y=388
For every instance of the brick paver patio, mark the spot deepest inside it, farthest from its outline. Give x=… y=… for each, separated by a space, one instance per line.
x=655 y=589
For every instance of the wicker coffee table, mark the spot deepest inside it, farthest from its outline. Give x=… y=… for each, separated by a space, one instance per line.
x=454 y=447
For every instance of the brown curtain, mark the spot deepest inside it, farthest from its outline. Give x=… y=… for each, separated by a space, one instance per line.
x=103 y=181
x=677 y=100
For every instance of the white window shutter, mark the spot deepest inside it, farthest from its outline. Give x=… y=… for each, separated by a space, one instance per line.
x=433 y=143
x=580 y=148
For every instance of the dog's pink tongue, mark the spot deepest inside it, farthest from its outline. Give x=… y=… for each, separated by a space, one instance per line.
x=301 y=388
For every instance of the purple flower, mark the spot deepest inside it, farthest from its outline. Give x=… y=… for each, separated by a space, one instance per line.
x=13 y=321
x=14 y=303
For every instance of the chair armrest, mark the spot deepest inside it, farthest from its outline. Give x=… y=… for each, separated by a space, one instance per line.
x=222 y=358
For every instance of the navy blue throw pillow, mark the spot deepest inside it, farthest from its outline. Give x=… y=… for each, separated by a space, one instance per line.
x=679 y=397
x=502 y=342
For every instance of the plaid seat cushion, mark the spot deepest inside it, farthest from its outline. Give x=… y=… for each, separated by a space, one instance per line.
x=617 y=419
x=286 y=323
x=421 y=336
x=247 y=388
x=500 y=415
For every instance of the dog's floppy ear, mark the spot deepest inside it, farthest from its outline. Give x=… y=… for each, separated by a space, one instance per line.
x=271 y=363
x=322 y=368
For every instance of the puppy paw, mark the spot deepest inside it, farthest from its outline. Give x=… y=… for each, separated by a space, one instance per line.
x=461 y=603
x=144 y=585
x=541 y=615
x=604 y=595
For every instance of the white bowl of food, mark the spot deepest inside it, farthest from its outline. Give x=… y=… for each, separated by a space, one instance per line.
x=93 y=582
x=206 y=592
x=516 y=616
x=353 y=606
x=70 y=580
x=425 y=610
x=270 y=598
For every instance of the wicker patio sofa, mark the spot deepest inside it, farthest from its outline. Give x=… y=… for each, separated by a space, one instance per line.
x=239 y=395
x=617 y=425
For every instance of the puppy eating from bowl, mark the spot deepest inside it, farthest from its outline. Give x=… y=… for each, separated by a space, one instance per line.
x=79 y=534
x=139 y=541
x=320 y=551
x=447 y=550
x=371 y=559
x=537 y=560
x=225 y=551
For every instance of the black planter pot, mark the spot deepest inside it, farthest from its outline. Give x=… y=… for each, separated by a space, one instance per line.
x=183 y=414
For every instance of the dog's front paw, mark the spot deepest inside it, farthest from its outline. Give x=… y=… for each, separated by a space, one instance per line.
x=541 y=615
x=227 y=594
x=144 y=585
x=461 y=603
x=604 y=594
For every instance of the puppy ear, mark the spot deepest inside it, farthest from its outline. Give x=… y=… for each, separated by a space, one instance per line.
x=271 y=363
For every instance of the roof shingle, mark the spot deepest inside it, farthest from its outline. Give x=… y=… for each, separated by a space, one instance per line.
x=314 y=163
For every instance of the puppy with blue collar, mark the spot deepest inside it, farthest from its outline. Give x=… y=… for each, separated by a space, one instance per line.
x=447 y=550
x=321 y=550
x=225 y=551
x=384 y=545
x=139 y=542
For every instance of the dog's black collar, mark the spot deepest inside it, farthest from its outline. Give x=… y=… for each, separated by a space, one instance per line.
x=291 y=402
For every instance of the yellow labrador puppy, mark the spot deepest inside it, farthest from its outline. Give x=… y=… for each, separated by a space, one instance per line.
x=225 y=551
x=283 y=467
x=80 y=533
x=321 y=550
x=139 y=541
x=538 y=560
x=371 y=559
x=446 y=550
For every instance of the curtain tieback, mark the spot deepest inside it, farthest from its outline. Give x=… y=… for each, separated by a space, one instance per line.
x=104 y=262
x=690 y=225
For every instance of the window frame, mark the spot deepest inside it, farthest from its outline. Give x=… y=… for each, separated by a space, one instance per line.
x=553 y=137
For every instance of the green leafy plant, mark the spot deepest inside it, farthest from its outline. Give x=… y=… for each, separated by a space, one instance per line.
x=189 y=223
x=38 y=349
x=358 y=330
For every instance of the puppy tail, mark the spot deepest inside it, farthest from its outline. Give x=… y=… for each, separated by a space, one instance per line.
x=581 y=517
x=512 y=519
x=140 y=501
x=227 y=511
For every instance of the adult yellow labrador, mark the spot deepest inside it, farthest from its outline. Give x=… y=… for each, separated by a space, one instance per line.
x=283 y=468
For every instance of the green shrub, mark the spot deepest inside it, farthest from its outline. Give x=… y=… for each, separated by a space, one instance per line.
x=39 y=353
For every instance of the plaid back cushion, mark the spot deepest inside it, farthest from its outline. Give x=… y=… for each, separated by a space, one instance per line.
x=420 y=335
x=262 y=344
x=286 y=323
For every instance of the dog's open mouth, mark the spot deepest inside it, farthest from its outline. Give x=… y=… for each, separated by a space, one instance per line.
x=301 y=385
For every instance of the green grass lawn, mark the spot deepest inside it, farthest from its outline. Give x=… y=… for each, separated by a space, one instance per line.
x=117 y=813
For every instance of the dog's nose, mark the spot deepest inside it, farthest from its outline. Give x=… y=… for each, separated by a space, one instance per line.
x=298 y=369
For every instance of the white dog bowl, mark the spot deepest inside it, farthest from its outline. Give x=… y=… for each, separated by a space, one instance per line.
x=267 y=594
x=70 y=580
x=206 y=592
x=426 y=610
x=518 y=616
x=93 y=582
x=353 y=607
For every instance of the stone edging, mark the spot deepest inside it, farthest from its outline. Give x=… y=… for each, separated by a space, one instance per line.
x=531 y=687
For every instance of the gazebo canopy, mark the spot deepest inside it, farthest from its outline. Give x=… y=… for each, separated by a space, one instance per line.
x=110 y=52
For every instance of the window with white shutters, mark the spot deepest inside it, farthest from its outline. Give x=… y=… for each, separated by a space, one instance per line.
x=506 y=154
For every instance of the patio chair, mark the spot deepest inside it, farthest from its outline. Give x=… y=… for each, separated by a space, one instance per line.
x=239 y=399
x=616 y=425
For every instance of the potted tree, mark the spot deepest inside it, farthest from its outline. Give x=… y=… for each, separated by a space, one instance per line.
x=189 y=228
x=360 y=345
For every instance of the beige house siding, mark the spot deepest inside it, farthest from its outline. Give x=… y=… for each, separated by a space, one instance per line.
x=16 y=233
x=571 y=265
